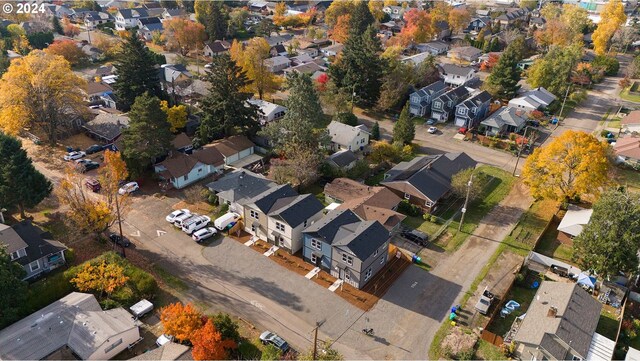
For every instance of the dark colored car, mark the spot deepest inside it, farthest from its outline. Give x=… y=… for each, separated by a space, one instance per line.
x=271 y=338
x=120 y=241
x=94 y=149
x=93 y=184
x=89 y=166
x=416 y=237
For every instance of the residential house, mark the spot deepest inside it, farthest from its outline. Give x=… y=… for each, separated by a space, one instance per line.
x=234 y=149
x=148 y=26
x=560 y=324
x=332 y=50
x=109 y=100
x=170 y=351
x=343 y=160
x=478 y=23
x=504 y=121
x=278 y=39
x=300 y=59
x=28 y=246
x=106 y=126
x=181 y=170
x=394 y=12
x=416 y=59
x=104 y=70
x=306 y=68
x=347 y=137
x=172 y=75
x=534 y=99
x=443 y=107
x=217 y=47
x=277 y=63
x=538 y=22
x=94 y=90
x=128 y=18
x=391 y=26
x=470 y=112
x=94 y=18
x=433 y=47
x=92 y=52
x=182 y=143
x=420 y=100
x=465 y=53
x=268 y=111
x=239 y=187
x=369 y=203
x=257 y=208
x=512 y=17
x=631 y=122
x=572 y=223
x=278 y=50
x=455 y=75
x=318 y=238
x=169 y=14
x=443 y=31
x=258 y=6
x=426 y=180
x=73 y=327
x=627 y=150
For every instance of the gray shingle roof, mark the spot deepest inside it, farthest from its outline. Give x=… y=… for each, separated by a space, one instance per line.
x=575 y=321
x=457 y=70
x=361 y=239
x=10 y=238
x=343 y=158
x=342 y=134
x=455 y=95
x=506 y=116
x=240 y=185
x=327 y=227
x=476 y=100
x=266 y=200
x=37 y=246
x=295 y=210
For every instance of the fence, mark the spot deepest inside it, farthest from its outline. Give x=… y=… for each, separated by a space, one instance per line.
x=492 y=338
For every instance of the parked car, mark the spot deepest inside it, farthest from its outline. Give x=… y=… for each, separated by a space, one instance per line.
x=177 y=213
x=74 y=155
x=94 y=149
x=195 y=223
x=85 y=167
x=92 y=184
x=203 y=234
x=432 y=130
x=268 y=337
x=164 y=339
x=224 y=221
x=179 y=220
x=120 y=241
x=129 y=188
x=416 y=236
x=484 y=303
x=431 y=122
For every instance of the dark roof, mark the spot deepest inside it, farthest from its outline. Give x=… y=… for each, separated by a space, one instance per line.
x=181 y=141
x=326 y=228
x=107 y=126
x=149 y=21
x=343 y=158
x=37 y=246
x=240 y=184
x=180 y=164
x=105 y=70
x=218 y=46
x=427 y=176
x=11 y=239
x=456 y=69
x=432 y=88
x=476 y=100
x=297 y=209
x=265 y=201
x=455 y=94
x=361 y=239
x=279 y=48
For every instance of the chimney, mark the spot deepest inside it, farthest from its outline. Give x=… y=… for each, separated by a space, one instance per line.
x=552 y=312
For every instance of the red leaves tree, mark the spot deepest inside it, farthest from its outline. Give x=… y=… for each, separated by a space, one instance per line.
x=180 y=321
x=69 y=50
x=418 y=27
x=209 y=345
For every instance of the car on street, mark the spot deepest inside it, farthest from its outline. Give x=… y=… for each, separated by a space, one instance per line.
x=484 y=303
x=432 y=130
x=87 y=166
x=94 y=149
x=120 y=241
x=203 y=234
x=416 y=236
x=171 y=217
x=74 y=155
x=128 y=188
x=270 y=338
x=92 y=184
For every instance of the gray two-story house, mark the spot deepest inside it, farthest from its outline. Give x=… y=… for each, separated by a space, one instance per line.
x=257 y=208
x=472 y=111
x=239 y=187
x=318 y=238
x=443 y=107
x=27 y=246
x=420 y=101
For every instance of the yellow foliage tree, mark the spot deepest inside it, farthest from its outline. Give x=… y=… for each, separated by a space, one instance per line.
x=458 y=19
x=278 y=14
x=181 y=321
x=102 y=277
x=338 y=8
x=113 y=171
x=21 y=45
x=40 y=91
x=612 y=17
x=572 y=165
x=251 y=58
x=375 y=7
x=176 y=115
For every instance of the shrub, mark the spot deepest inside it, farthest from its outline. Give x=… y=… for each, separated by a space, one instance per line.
x=433 y=219
x=609 y=64
x=409 y=209
x=604 y=133
x=347 y=118
x=69 y=255
x=108 y=304
x=144 y=284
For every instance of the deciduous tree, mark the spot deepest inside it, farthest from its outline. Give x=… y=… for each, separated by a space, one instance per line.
x=228 y=328
x=337 y=9
x=181 y=321
x=225 y=107
x=458 y=19
x=340 y=31
x=612 y=17
x=13 y=290
x=176 y=115
x=251 y=59
x=102 y=278
x=405 y=129
x=69 y=50
x=460 y=183
x=418 y=27
x=208 y=343
x=553 y=70
x=572 y=165
x=69 y=29
x=324 y=352
x=183 y=35
x=606 y=243
x=375 y=7
x=300 y=167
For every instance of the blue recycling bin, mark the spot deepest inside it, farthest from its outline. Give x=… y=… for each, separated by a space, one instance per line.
x=416 y=259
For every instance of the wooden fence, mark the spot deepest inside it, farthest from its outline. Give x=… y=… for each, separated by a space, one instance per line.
x=492 y=338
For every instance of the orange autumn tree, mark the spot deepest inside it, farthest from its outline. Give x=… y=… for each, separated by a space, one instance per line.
x=340 y=32
x=181 y=321
x=184 y=35
x=418 y=27
x=209 y=345
x=69 y=50
x=102 y=277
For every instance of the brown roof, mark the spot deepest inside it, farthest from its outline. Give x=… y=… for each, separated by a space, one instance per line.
x=387 y=217
x=180 y=164
x=97 y=88
x=232 y=145
x=180 y=141
x=345 y=189
x=628 y=147
x=632 y=118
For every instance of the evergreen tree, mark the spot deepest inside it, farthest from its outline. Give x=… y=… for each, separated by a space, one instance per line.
x=57 y=28
x=40 y=39
x=21 y=184
x=214 y=17
x=502 y=83
x=360 y=68
x=148 y=136
x=361 y=18
x=404 y=130
x=495 y=44
x=225 y=108
x=13 y=290
x=486 y=46
x=375 y=131
x=136 y=72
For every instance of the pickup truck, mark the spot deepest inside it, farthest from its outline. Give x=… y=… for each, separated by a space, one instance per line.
x=484 y=303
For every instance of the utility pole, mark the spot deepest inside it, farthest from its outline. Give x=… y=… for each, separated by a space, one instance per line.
x=466 y=202
x=120 y=226
x=353 y=94
x=315 y=342
x=520 y=151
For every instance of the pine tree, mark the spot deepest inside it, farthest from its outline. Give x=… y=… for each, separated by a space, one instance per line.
x=148 y=136
x=13 y=290
x=57 y=28
x=213 y=16
x=404 y=130
x=503 y=81
x=225 y=108
x=495 y=44
x=360 y=68
x=361 y=18
x=375 y=131
x=21 y=184
x=136 y=72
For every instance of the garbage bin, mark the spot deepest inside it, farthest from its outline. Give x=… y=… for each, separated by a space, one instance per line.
x=416 y=259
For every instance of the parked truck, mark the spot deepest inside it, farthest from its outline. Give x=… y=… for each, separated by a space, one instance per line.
x=485 y=301
x=222 y=222
x=141 y=308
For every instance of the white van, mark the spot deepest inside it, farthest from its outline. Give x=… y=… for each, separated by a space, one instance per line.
x=222 y=222
x=179 y=221
x=193 y=224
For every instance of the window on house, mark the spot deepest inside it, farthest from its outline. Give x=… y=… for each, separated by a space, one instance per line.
x=428 y=204
x=281 y=242
x=316 y=244
x=384 y=258
x=34 y=266
x=407 y=196
x=305 y=223
x=576 y=358
x=314 y=259
x=375 y=254
x=280 y=226
x=15 y=255
x=347 y=259
x=253 y=214
x=112 y=346
x=186 y=176
x=368 y=274
x=347 y=276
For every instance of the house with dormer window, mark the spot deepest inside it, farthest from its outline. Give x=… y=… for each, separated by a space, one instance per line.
x=443 y=107
x=420 y=100
x=472 y=111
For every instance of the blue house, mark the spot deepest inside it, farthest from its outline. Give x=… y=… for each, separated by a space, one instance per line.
x=319 y=237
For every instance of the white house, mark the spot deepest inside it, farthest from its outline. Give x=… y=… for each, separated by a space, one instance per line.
x=277 y=63
x=128 y=18
x=181 y=170
x=535 y=99
x=268 y=111
x=346 y=137
x=95 y=18
x=455 y=75
x=233 y=149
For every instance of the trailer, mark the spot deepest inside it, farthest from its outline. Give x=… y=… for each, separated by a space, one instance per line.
x=141 y=308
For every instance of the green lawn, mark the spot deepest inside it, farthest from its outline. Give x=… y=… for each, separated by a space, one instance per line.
x=551 y=247
x=487 y=351
x=169 y=279
x=628 y=177
x=531 y=225
x=418 y=121
x=608 y=324
x=624 y=94
x=614 y=123
x=523 y=295
x=422 y=225
x=317 y=190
